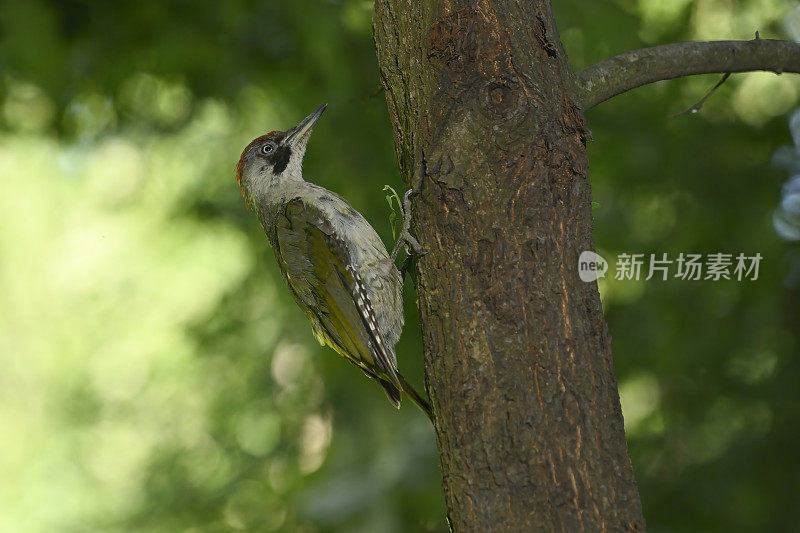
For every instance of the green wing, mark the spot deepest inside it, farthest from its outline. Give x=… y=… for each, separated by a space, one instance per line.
x=317 y=268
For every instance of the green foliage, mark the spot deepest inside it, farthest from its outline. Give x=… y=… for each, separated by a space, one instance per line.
x=157 y=375
x=707 y=370
x=395 y=208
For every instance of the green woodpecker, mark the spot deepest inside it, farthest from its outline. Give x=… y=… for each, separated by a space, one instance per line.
x=333 y=262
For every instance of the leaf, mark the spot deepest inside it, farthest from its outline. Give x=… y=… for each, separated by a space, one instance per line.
x=393 y=216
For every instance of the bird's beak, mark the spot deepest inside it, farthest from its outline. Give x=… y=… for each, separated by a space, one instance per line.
x=304 y=128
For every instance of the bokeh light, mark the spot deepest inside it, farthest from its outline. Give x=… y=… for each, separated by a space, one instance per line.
x=157 y=376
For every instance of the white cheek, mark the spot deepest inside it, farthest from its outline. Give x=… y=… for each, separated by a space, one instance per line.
x=261 y=179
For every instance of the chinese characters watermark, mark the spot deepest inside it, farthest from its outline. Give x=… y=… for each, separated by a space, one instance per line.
x=689 y=267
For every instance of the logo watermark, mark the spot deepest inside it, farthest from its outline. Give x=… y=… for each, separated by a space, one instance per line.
x=689 y=267
x=591 y=266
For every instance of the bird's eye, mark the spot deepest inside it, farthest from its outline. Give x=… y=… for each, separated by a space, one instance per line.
x=268 y=148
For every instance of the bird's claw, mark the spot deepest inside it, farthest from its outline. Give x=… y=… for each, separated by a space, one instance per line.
x=405 y=240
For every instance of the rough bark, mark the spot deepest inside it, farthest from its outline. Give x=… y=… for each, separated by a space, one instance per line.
x=518 y=361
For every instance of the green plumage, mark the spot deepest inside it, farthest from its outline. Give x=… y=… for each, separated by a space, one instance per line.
x=333 y=262
x=354 y=304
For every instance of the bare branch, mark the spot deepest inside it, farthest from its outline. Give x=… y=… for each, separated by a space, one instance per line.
x=606 y=79
x=699 y=104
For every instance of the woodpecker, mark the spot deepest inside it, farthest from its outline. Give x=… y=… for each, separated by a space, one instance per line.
x=333 y=262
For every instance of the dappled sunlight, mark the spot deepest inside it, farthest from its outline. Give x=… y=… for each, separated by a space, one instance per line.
x=156 y=373
x=720 y=19
x=725 y=422
x=753 y=366
x=118 y=377
x=155 y=100
x=640 y=396
x=316 y=438
x=26 y=108
x=660 y=16
x=289 y=363
x=103 y=282
x=751 y=102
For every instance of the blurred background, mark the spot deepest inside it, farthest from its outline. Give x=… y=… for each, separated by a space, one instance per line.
x=156 y=375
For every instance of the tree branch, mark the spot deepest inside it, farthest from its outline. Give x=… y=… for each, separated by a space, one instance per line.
x=699 y=104
x=606 y=79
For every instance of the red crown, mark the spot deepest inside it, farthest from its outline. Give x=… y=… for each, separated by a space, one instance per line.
x=240 y=165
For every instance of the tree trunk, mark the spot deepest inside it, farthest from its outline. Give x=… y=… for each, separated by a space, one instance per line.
x=518 y=361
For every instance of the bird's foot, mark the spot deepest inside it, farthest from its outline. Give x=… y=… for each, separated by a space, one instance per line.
x=405 y=240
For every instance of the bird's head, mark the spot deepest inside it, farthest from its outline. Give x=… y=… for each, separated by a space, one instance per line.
x=275 y=157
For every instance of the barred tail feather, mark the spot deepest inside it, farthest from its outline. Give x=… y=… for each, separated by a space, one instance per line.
x=392 y=392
